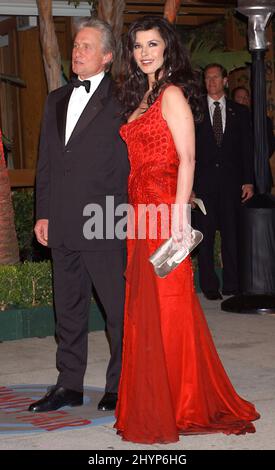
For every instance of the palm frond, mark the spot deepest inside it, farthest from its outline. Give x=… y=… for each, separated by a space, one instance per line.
x=12 y=80
x=203 y=53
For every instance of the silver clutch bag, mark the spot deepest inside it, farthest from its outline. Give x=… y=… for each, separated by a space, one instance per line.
x=166 y=258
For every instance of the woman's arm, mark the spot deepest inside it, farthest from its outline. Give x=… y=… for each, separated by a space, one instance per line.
x=178 y=115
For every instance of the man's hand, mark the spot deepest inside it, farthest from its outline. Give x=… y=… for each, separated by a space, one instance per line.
x=41 y=231
x=247 y=192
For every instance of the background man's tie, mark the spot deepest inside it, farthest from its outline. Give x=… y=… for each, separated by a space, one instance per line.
x=217 y=123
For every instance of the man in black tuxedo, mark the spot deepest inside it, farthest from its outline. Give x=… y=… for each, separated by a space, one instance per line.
x=223 y=178
x=82 y=160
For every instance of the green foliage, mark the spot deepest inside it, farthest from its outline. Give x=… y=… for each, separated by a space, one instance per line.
x=217 y=253
x=213 y=32
x=9 y=292
x=207 y=44
x=23 y=204
x=25 y=285
x=203 y=53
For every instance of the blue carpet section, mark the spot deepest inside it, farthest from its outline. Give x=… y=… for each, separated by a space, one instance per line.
x=16 y=419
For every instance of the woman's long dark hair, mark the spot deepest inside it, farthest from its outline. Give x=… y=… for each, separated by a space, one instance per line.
x=176 y=69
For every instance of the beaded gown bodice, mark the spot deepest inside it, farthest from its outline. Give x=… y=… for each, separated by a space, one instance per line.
x=153 y=158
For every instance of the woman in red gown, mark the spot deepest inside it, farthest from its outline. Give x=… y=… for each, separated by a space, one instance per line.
x=172 y=379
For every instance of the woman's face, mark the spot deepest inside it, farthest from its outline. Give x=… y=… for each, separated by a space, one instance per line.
x=149 y=50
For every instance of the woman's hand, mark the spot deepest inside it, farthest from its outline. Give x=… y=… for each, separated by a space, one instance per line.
x=181 y=227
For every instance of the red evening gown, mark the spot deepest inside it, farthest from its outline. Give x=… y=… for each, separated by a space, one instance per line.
x=172 y=381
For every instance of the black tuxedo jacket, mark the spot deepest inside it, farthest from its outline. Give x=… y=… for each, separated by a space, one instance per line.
x=92 y=165
x=229 y=167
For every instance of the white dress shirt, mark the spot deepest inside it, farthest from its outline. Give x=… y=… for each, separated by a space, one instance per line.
x=211 y=107
x=78 y=101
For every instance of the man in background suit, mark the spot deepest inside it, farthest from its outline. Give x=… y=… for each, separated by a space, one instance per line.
x=82 y=160
x=223 y=178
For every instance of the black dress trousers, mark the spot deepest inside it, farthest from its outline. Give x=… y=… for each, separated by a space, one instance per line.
x=223 y=215
x=74 y=274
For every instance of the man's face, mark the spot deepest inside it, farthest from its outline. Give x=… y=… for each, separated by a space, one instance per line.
x=242 y=97
x=88 y=58
x=214 y=82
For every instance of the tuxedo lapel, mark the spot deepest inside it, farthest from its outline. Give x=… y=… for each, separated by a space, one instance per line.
x=61 y=114
x=93 y=107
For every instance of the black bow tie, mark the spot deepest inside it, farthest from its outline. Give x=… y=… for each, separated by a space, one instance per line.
x=77 y=83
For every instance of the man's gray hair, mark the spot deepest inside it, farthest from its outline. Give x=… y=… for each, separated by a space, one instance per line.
x=108 y=39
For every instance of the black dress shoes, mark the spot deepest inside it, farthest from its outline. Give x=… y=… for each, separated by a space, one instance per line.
x=56 y=398
x=213 y=295
x=108 y=402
